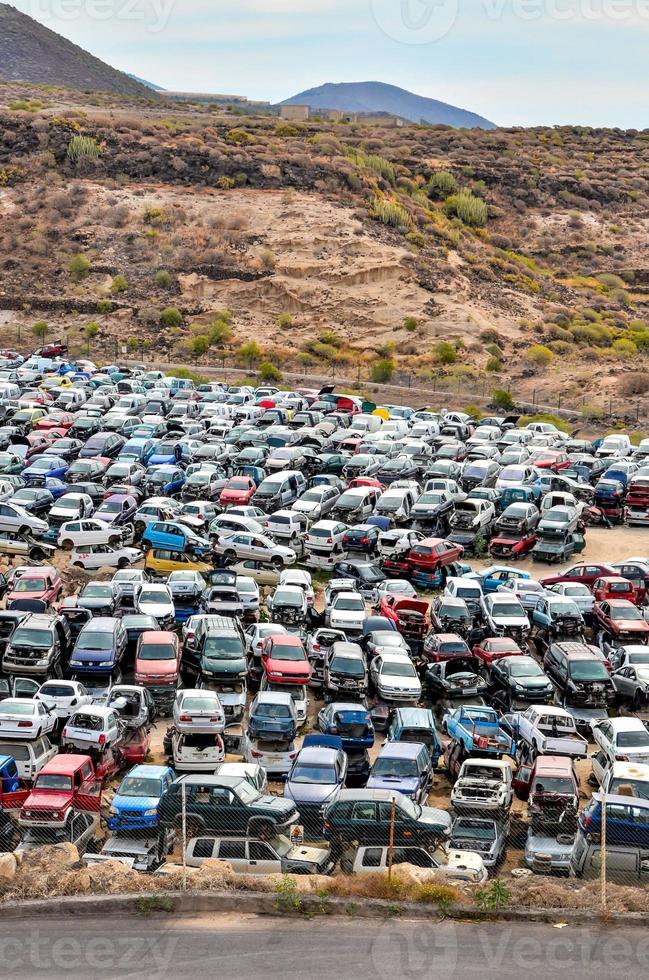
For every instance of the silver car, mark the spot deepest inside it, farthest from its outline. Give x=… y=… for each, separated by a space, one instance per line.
x=199 y=712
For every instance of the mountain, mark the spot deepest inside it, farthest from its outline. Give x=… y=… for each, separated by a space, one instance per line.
x=143 y=81
x=30 y=52
x=376 y=97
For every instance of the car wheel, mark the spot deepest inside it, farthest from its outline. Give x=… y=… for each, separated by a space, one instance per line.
x=114 y=540
x=67 y=545
x=229 y=557
x=23 y=530
x=123 y=563
x=277 y=562
x=77 y=564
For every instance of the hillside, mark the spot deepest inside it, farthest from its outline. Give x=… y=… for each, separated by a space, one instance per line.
x=31 y=52
x=372 y=97
x=459 y=260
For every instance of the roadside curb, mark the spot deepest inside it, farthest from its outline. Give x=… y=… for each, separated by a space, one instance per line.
x=264 y=903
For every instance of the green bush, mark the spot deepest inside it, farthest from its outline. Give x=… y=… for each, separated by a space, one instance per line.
x=119 y=285
x=219 y=333
x=79 y=268
x=104 y=306
x=625 y=348
x=269 y=373
x=410 y=324
x=391 y=213
x=445 y=353
x=383 y=370
x=284 y=321
x=200 y=345
x=539 y=356
x=441 y=185
x=501 y=398
x=163 y=279
x=171 y=317
x=239 y=137
x=251 y=352
x=493 y=364
x=40 y=329
x=82 y=146
x=469 y=209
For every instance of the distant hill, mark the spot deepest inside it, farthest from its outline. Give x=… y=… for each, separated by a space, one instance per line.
x=143 y=81
x=375 y=97
x=30 y=52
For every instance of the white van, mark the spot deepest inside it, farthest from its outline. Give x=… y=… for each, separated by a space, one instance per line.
x=614 y=447
x=71 y=399
x=366 y=423
x=9 y=391
x=29 y=756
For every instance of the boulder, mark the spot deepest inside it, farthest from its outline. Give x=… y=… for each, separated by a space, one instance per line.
x=51 y=857
x=8 y=865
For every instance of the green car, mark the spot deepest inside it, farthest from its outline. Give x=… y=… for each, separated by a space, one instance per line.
x=364 y=815
x=225 y=805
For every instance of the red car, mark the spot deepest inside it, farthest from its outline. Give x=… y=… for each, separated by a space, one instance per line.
x=614 y=587
x=157 y=661
x=512 y=548
x=136 y=747
x=411 y=616
x=238 y=492
x=284 y=660
x=57 y=349
x=366 y=481
x=432 y=554
x=445 y=646
x=549 y=459
x=621 y=618
x=42 y=583
x=55 y=420
x=583 y=573
x=64 y=783
x=495 y=648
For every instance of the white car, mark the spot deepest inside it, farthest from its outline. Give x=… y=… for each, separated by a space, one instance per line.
x=252 y=773
x=394 y=677
x=276 y=755
x=15 y=518
x=100 y=555
x=230 y=523
x=325 y=536
x=63 y=697
x=287 y=600
x=622 y=739
x=580 y=594
x=256 y=546
x=78 y=534
x=397 y=541
x=316 y=502
x=301 y=578
x=505 y=616
x=92 y=727
x=196 y=752
x=248 y=593
x=256 y=636
x=347 y=612
x=72 y=507
x=395 y=586
x=25 y=718
x=198 y=711
x=152 y=599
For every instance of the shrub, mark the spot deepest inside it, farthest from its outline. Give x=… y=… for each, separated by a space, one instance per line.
x=501 y=398
x=445 y=353
x=104 y=306
x=391 y=213
x=40 y=329
x=284 y=321
x=383 y=370
x=441 y=185
x=199 y=345
x=410 y=324
x=119 y=285
x=625 y=348
x=269 y=373
x=474 y=411
x=469 y=209
x=82 y=146
x=163 y=279
x=239 y=137
x=155 y=216
x=268 y=259
x=593 y=412
x=91 y=330
x=171 y=317
x=493 y=364
x=634 y=384
x=79 y=268
x=219 y=333
x=251 y=352
x=539 y=356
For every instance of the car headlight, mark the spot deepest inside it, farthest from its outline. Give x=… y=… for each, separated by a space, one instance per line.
x=43 y=662
x=151 y=813
x=106 y=663
x=113 y=811
x=75 y=663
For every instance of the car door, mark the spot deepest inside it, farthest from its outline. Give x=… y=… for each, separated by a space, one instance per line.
x=625 y=682
x=600 y=765
x=234 y=852
x=262 y=859
x=364 y=820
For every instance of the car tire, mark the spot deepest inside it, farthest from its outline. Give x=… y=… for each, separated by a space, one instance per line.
x=123 y=563
x=114 y=540
x=67 y=545
x=277 y=562
x=78 y=564
x=23 y=530
x=229 y=557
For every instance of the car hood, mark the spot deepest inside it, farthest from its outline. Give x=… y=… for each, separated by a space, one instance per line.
x=435 y=817
x=46 y=799
x=510 y=620
x=404 y=784
x=313 y=855
x=277 y=803
x=156 y=668
x=156 y=609
x=135 y=802
x=310 y=792
x=532 y=683
x=94 y=656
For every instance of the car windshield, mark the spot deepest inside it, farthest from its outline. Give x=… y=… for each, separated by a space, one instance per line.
x=97 y=592
x=95 y=641
x=348 y=665
x=54 y=690
x=369 y=573
x=588 y=670
x=399 y=669
x=68 y=503
x=395 y=767
x=474 y=829
x=153 y=596
x=507 y=609
x=627 y=613
x=17 y=707
x=638 y=658
x=314 y=774
x=564 y=609
x=554 y=784
x=139 y=786
x=525 y=669
x=273 y=711
x=200 y=704
x=26 y=584
x=157 y=651
x=222 y=647
x=283 y=651
x=349 y=604
x=53 y=781
x=628 y=740
x=639 y=787
x=26 y=637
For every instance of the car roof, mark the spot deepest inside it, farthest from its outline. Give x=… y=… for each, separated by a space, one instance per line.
x=147 y=770
x=274 y=697
x=400 y=750
x=65 y=764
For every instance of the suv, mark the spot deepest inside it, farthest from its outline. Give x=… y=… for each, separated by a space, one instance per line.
x=215 y=647
x=38 y=645
x=365 y=815
x=579 y=675
x=225 y=805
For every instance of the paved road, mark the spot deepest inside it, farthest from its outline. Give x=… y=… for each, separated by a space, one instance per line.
x=243 y=947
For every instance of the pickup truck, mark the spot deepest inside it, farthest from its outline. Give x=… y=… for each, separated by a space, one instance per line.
x=68 y=782
x=483 y=785
x=549 y=730
x=478 y=729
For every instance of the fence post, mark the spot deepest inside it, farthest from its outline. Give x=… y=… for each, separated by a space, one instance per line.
x=391 y=845
x=184 y=831
x=603 y=858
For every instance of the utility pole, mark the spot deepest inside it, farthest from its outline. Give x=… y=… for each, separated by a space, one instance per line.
x=391 y=845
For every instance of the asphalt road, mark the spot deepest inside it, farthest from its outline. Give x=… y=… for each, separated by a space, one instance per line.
x=235 y=947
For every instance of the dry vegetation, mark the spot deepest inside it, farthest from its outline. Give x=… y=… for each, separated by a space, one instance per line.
x=509 y=256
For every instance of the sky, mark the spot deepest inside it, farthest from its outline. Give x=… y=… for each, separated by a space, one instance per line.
x=516 y=62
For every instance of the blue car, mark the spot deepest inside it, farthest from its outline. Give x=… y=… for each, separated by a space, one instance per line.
x=316 y=776
x=272 y=714
x=136 y=805
x=9 y=778
x=164 y=481
x=627 y=820
x=497 y=575
x=42 y=467
x=56 y=486
x=405 y=767
x=352 y=723
x=416 y=725
x=174 y=536
x=140 y=450
x=166 y=451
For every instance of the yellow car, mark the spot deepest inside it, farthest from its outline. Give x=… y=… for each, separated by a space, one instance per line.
x=161 y=562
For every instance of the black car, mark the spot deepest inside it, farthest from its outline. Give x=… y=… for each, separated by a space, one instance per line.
x=365 y=574
x=518 y=681
x=333 y=462
x=397 y=468
x=363 y=538
x=225 y=805
x=579 y=675
x=365 y=815
x=36 y=500
x=457 y=678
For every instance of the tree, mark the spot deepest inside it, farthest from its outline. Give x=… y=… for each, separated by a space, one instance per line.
x=132 y=344
x=251 y=351
x=171 y=317
x=501 y=398
x=119 y=285
x=91 y=330
x=269 y=373
x=79 y=268
x=382 y=370
x=40 y=329
x=200 y=345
